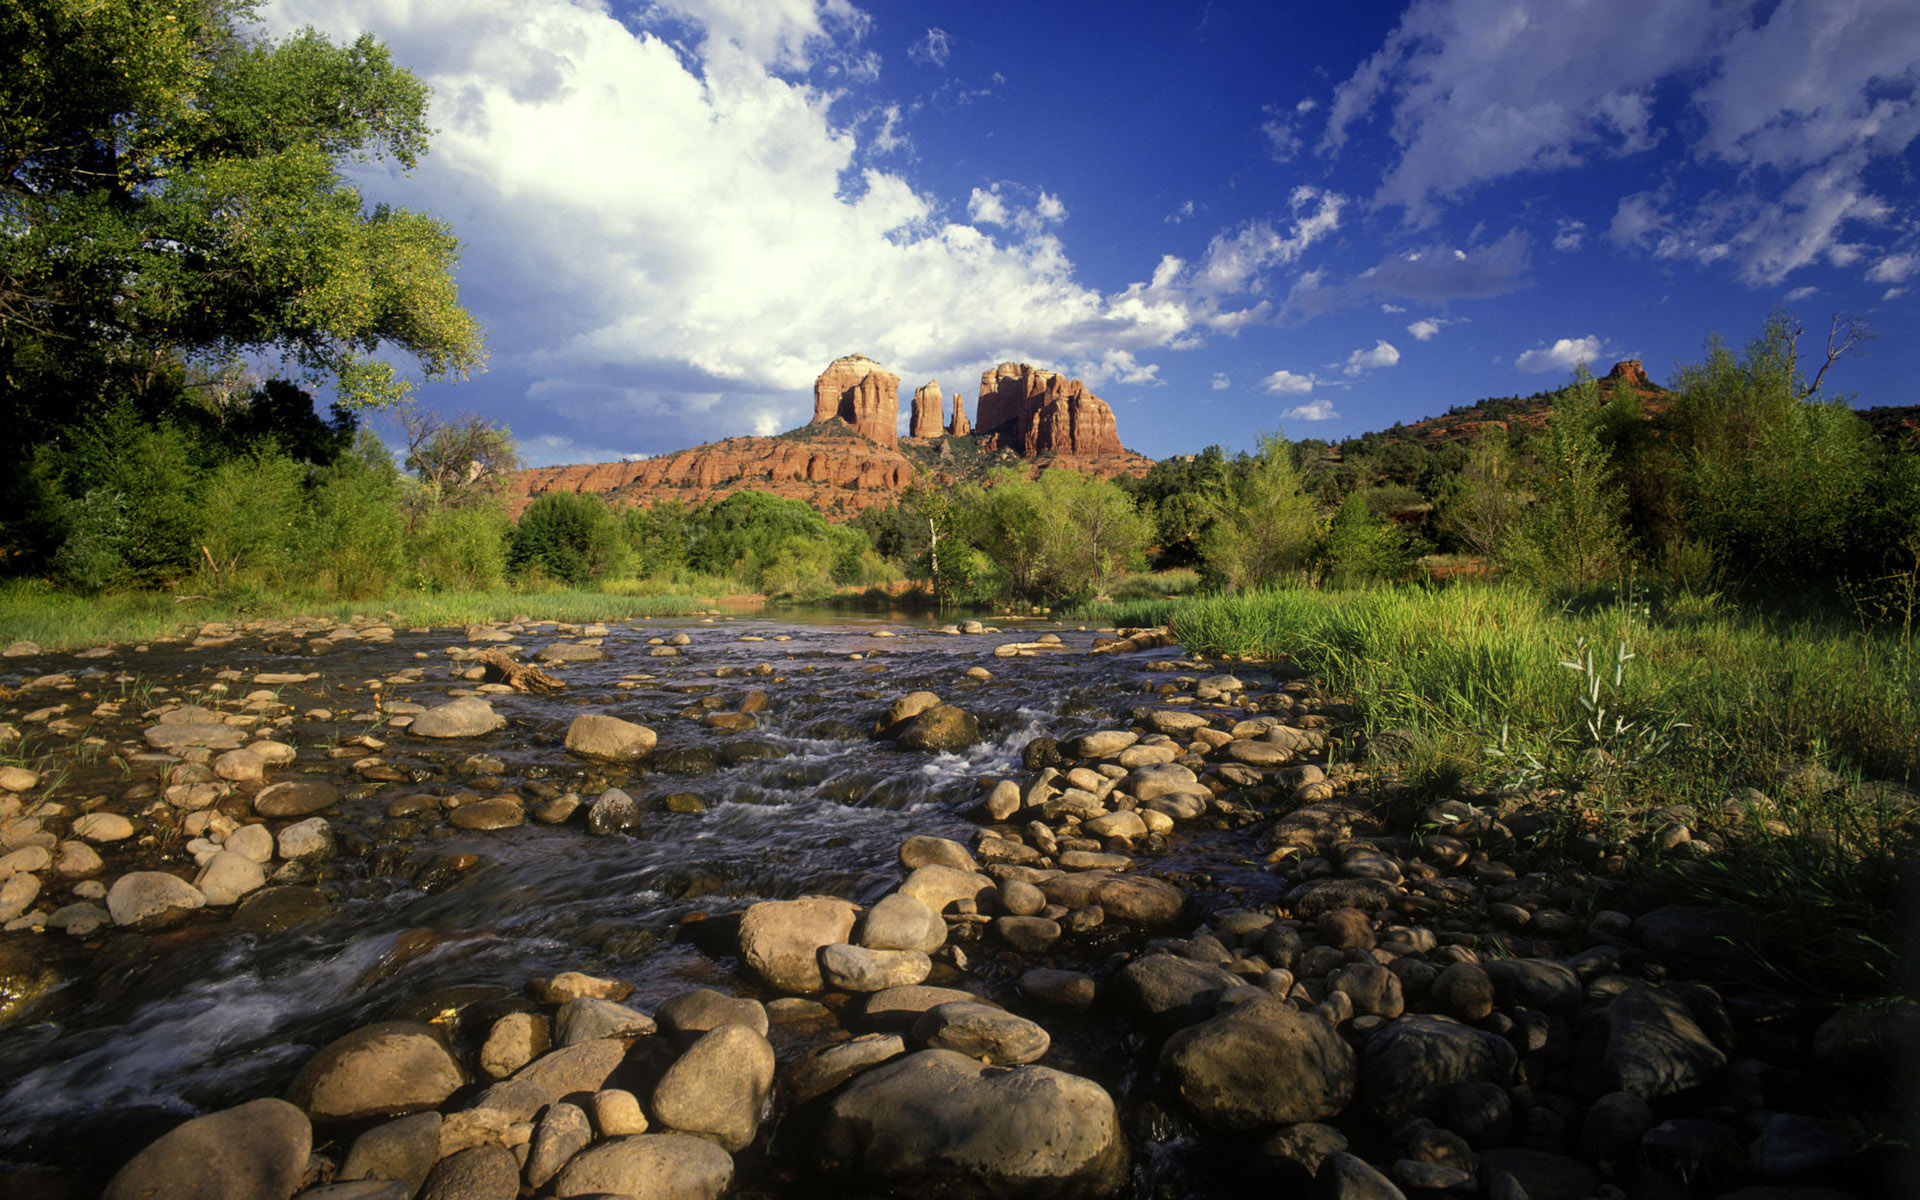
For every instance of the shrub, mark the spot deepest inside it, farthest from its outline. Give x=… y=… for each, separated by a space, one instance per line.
x=571 y=537
x=461 y=549
x=1262 y=522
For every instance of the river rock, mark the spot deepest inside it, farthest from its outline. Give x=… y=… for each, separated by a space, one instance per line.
x=698 y=1010
x=494 y=812
x=588 y=1019
x=571 y=985
x=1073 y=990
x=781 y=939
x=937 y=1118
x=938 y=886
x=469 y=716
x=718 y=1088
x=898 y=1008
x=403 y=1149
x=940 y=728
x=254 y=841
x=273 y=909
x=311 y=838
x=152 y=899
x=831 y=1066
x=1140 y=899
x=596 y=735
x=616 y=1113
x=1654 y=1048
x=903 y=710
x=570 y=652
x=20 y=891
x=614 y=812
x=1105 y=744
x=1258 y=1064
x=177 y=739
x=1541 y=1175
x=1160 y=779
x=514 y=1041
x=902 y=922
x=1535 y=982
x=102 y=827
x=476 y=1173
x=1408 y=1068
x=563 y=1132
x=257 y=1151
x=295 y=798
x=227 y=877
x=652 y=1166
x=1028 y=935
x=982 y=1031
x=1464 y=990
x=384 y=1069
x=584 y=1067
x=850 y=968
x=921 y=849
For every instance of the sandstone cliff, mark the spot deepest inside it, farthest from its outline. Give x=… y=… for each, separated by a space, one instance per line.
x=925 y=421
x=1040 y=413
x=958 y=427
x=862 y=393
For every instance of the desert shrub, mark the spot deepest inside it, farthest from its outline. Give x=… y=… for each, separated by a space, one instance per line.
x=570 y=537
x=1262 y=524
x=461 y=549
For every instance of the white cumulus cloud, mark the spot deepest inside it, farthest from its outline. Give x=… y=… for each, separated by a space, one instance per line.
x=1564 y=355
x=1383 y=354
x=1425 y=330
x=1313 y=410
x=1220 y=382
x=1286 y=383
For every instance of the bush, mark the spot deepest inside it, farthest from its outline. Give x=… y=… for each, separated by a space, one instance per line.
x=1574 y=536
x=571 y=537
x=1262 y=522
x=355 y=533
x=253 y=507
x=1362 y=548
x=461 y=549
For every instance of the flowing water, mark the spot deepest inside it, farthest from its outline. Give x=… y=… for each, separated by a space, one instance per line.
x=153 y=1027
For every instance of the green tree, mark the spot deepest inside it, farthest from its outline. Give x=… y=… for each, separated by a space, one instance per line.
x=170 y=188
x=1478 y=506
x=571 y=537
x=1262 y=523
x=1574 y=536
x=1362 y=547
x=1090 y=532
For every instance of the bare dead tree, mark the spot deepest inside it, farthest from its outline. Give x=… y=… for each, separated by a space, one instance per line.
x=1847 y=334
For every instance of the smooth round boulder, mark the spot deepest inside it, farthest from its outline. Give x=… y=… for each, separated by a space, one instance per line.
x=588 y=1019
x=850 y=968
x=937 y=1118
x=610 y=739
x=102 y=827
x=983 y=1031
x=698 y=1010
x=402 y=1149
x=1408 y=1068
x=382 y=1070
x=495 y=812
x=476 y=1173
x=902 y=922
x=311 y=838
x=228 y=877
x=469 y=716
x=1104 y=744
x=254 y=841
x=613 y=812
x=921 y=849
x=938 y=886
x=256 y=1151
x=295 y=798
x=718 y=1088
x=781 y=939
x=1174 y=991
x=1159 y=779
x=940 y=728
x=1260 y=1064
x=649 y=1166
x=152 y=900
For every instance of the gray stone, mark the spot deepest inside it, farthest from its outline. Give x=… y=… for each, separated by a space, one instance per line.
x=311 y=838
x=701 y=1009
x=938 y=1118
x=781 y=939
x=1654 y=1048
x=384 y=1069
x=1176 y=992
x=1160 y=779
x=719 y=1087
x=1261 y=1063
x=1029 y=935
x=651 y=1166
x=982 y=1031
x=580 y=1068
x=940 y=728
x=1536 y=982
x=152 y=900
x=850 y=968
x=903 y=922
x=569 y=652
x=828 y=1068
x=257 y=1151
x=1374 y=990
x=1346 y=1176
x=614 y=812
x=1408 y=1068
x=403 y=1149
x=227 y=877
x=1073 y=990
x=1105 y=744
x=588 y=1019
x=563 y=1132
x=175 y=739
x=469 y=716
x=476 y=1173
x=295 y=798
x=610 y=739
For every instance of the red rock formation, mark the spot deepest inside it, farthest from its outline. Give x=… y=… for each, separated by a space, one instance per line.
x=959 y=427
x=1041 y=413
x=863 y=394
x=1630 y=372
x=925 y=422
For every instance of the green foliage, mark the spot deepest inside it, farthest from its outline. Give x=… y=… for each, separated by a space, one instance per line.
x=1362 y=548
x=355 y=531
x=462 y=549
x=172 y=190
x=1574 y=536
x=1479 y=504
x=570 y=537
x=1262 y=524
x=254 y=506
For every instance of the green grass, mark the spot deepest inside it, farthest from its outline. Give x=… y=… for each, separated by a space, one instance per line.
x=1502 y=687
x=57 y=620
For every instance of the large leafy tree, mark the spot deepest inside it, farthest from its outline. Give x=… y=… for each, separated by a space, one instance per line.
x=171 y=192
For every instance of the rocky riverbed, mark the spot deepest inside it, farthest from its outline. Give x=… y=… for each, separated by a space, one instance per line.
x=845 y=908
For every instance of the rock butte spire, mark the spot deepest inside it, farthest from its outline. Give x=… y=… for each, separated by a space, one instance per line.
x=862 y=393
x=959 y=427
x=1040 y=413
x=925 y=422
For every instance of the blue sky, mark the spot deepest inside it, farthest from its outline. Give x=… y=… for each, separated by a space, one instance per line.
x=1225 y=217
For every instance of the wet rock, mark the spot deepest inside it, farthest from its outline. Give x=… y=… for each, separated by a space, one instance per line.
x=152 y=899
x=652 y=1166
x=494 y=812
x=588 y=1019
x=921 y=850
x=903 y=710
x=101 y=828
x=718 y=1088
x=385 y=1069
x=614 y=812
x=1105 y=744
x=1480 y=1112
x=295 y=798
x=572 y=985
x=1176 y=992
x=1346 y=1176
x=257 y=1151
x=271 y=910
x=1028 y=935
x=701 y=1009
x=1261 y=1063
x=579 y=1068
x=1408 y=1068
x=937 y=1118
x=850 y=968
x=227 y=877
x=254 y=841
x=616 y=1113
x=178 y=739
x=828 y=1068
x=569 y=652
x=468 y=716
x=902 y=922
x=1535 y=982
x=563 y=1132
x=311 y=838
x=940 y=728
x=938 y=886
x=1374 y=990
x=1695 y=936
x=1073 y=990
x=1140 y=899
x=899 y=1008
x=982 y=1031
x=781 y=939
x=403 y=1149
x=610 y=739
x=1654 y=1048
x=1464 y=990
